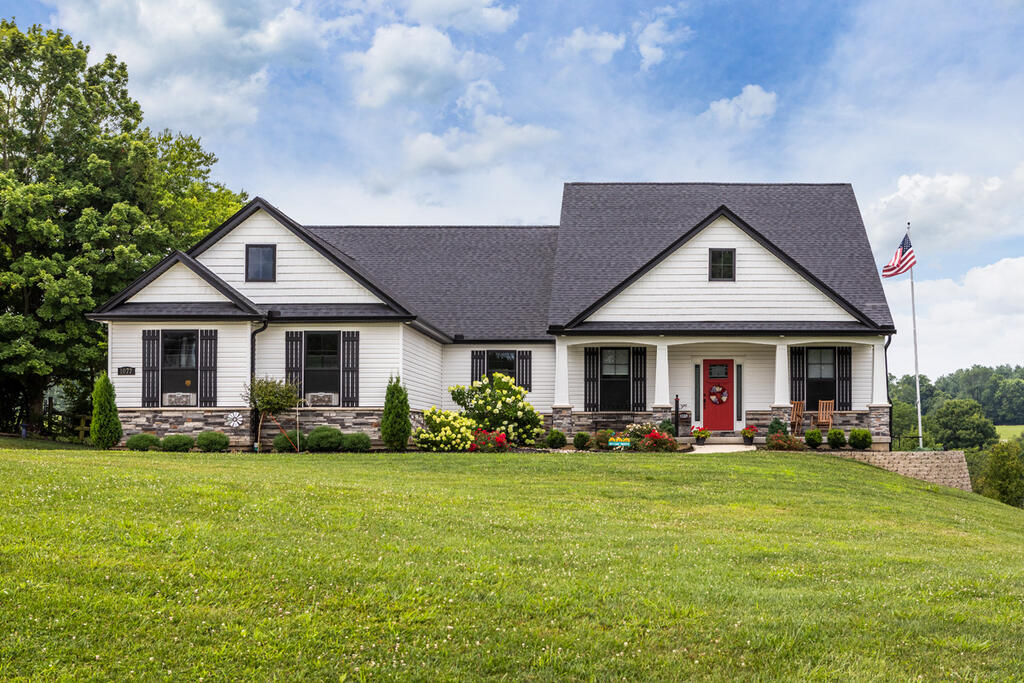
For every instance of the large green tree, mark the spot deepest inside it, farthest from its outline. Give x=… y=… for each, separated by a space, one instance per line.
x=960 y=423
x=89 y=199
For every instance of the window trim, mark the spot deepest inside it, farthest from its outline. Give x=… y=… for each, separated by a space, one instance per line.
x=487 y=362
x=161 y=369
x=248 y=250
x=711 y=251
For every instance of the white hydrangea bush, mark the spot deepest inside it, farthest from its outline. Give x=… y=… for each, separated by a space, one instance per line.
x=445 y=431
x=498 y=404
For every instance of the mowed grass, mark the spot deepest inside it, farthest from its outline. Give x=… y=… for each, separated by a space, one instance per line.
x=39 y=444
x=1007 y=432
x=538 y=567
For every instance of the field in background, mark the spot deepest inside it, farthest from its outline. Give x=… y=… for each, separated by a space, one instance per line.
x=1009 y=431
x=751 y=565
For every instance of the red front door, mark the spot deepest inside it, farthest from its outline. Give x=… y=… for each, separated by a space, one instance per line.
x=718 y=395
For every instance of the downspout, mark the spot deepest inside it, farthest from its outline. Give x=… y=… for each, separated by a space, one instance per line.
x=252 y=376
x=888 y=398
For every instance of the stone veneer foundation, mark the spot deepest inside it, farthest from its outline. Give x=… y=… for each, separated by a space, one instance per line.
x=569 y=422
x=875 y=419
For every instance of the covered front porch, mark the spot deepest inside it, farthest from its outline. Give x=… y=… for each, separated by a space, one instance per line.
x=722 y=383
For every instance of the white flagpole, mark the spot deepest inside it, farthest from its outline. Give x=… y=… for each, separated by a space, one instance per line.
x=917 y=374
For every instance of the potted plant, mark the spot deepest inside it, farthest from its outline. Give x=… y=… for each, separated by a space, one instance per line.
x=699 y=434
x=748 y=433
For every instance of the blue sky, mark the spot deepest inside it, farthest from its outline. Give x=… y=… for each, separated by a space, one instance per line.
x=476 y=111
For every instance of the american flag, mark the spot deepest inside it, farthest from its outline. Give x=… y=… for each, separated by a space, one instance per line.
x=902 y=261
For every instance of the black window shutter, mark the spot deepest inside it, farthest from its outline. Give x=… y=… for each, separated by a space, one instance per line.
x=350 y=369
x=293 y=359
x=638 y=377
x=150 y=368
x=697 y=392
x=797 y=373
x=477 y=365
x=524 y=369
x=591 y=379
x=207 y=367
x=844 y=377
x=739 y=392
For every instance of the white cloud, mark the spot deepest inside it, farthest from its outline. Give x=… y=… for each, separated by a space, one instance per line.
x=975 y=319
x=751 y=107
x=477 y=16
x=479 y=94
x=412 y=62
x=951 y=209
x=653 y=35
x=598 y=46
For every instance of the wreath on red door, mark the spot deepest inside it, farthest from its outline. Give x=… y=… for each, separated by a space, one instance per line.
x=718 y=394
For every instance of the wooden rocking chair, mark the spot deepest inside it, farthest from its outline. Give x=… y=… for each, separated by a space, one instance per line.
x=824 y=419
x=796 y=417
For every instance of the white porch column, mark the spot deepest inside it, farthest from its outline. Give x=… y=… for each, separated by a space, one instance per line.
x=781 y=375
x=879 y=378
x=661 y=398
x=561 y=374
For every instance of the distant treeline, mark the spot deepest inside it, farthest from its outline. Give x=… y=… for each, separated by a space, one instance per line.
x=999 y=391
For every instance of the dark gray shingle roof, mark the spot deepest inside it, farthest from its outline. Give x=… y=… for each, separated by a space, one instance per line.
x=818 y=226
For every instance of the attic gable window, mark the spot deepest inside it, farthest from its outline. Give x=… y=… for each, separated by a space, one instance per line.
x=260 y=262
x=722 y=265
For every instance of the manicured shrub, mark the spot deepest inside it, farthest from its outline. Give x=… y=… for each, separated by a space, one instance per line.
x=325 y=439
x=287 y=444
x=783 y=442
x=657 y=442
x=488 y=442
x=356 y=443
x=395 y=424
x=777 y=426
x=497 y=404
x=105 y=430
x=860 y=439
x=212 y=442
x=667 y=426
x=269 y=396
x=142 y=442
x=581 y=441
x=812 y=437
x=555 y=439
x=177 y=443
x=836 y=438
x=602 y=437
x=639 y=430
x=445 y=431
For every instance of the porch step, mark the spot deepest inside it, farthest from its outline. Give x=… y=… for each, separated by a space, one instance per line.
x=720 y=439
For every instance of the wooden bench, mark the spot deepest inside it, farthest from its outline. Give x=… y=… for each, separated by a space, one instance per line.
x=824 y=419
x=796 y=417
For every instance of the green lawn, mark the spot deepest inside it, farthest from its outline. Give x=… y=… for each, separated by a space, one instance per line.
x=556 y=566
x=39 y=444
x=1009 y=431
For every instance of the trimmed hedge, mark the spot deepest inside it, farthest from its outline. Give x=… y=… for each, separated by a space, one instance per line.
x=602 y=437
x=812 y=437
x=836 y=438
x=282 y=445
x=783 y=442
x=581 y=441
x=325 y=439
x=177 y=443
x=860 y=439
x=555 y=439
x=142 y=442
x=355 y=443
x=212 y=441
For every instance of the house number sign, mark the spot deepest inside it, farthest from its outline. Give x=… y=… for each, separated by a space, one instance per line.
x=126 y=370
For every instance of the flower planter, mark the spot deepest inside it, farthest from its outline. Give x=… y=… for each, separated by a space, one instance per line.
x=700 y=440
x=748 y=440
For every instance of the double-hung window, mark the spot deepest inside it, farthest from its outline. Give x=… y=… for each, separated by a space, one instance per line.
x=179 y=368
x=503 y=362
x=323 y=367
x=821 y=376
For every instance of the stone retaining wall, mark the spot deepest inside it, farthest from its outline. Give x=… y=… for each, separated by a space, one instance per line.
x=946 y=468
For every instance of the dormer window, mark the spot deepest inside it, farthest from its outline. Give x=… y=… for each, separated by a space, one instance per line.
x=260 y=262
x=721 y=265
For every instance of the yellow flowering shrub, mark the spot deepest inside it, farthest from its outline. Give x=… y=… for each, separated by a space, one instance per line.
x=498 y=404
x=444 y=431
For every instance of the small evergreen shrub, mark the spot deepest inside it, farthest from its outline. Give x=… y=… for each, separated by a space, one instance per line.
x=812 y=437
x=212 y=442
x=777 y=426
x=783 y=442
x=581 y=441
x=283 y=445
x=445 y=431
x=105 y=429
x=177 y=443
x=836 y=438
x=555 y=439
x=356 y=443
x=395 y=424
x=325 y=439
x=602 y=437
x=860 y=439
x=142 y=442
x=667 y=426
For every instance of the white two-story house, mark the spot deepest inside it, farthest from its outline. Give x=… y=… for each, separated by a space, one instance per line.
x=724 y=301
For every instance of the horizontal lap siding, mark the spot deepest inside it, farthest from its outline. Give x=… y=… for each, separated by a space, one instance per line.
x=457 y=371
x=422 y=360
x=125 y=349
x=303 y=274
x=861 y=376
x=178 y=284
x=379 y=356
x=678 y=287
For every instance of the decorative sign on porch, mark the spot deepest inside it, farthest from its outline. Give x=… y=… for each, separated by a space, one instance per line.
x=126 y=370
x=619 y=442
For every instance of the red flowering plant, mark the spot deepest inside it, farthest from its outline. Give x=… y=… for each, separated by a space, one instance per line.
x=749 y=431
x=489 y=442
x=658 y=442
x=698 y=432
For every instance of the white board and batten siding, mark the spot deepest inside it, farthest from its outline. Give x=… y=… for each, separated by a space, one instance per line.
x=124 y=348
x=458 y=370
x=303 y=274
x=678 y=289
x=422 y=375
x=178 y=284
x=379 y=354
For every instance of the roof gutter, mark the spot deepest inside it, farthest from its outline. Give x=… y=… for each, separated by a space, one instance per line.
x=252 y=346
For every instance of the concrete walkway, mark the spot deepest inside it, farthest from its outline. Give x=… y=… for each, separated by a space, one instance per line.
x=722 y=448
